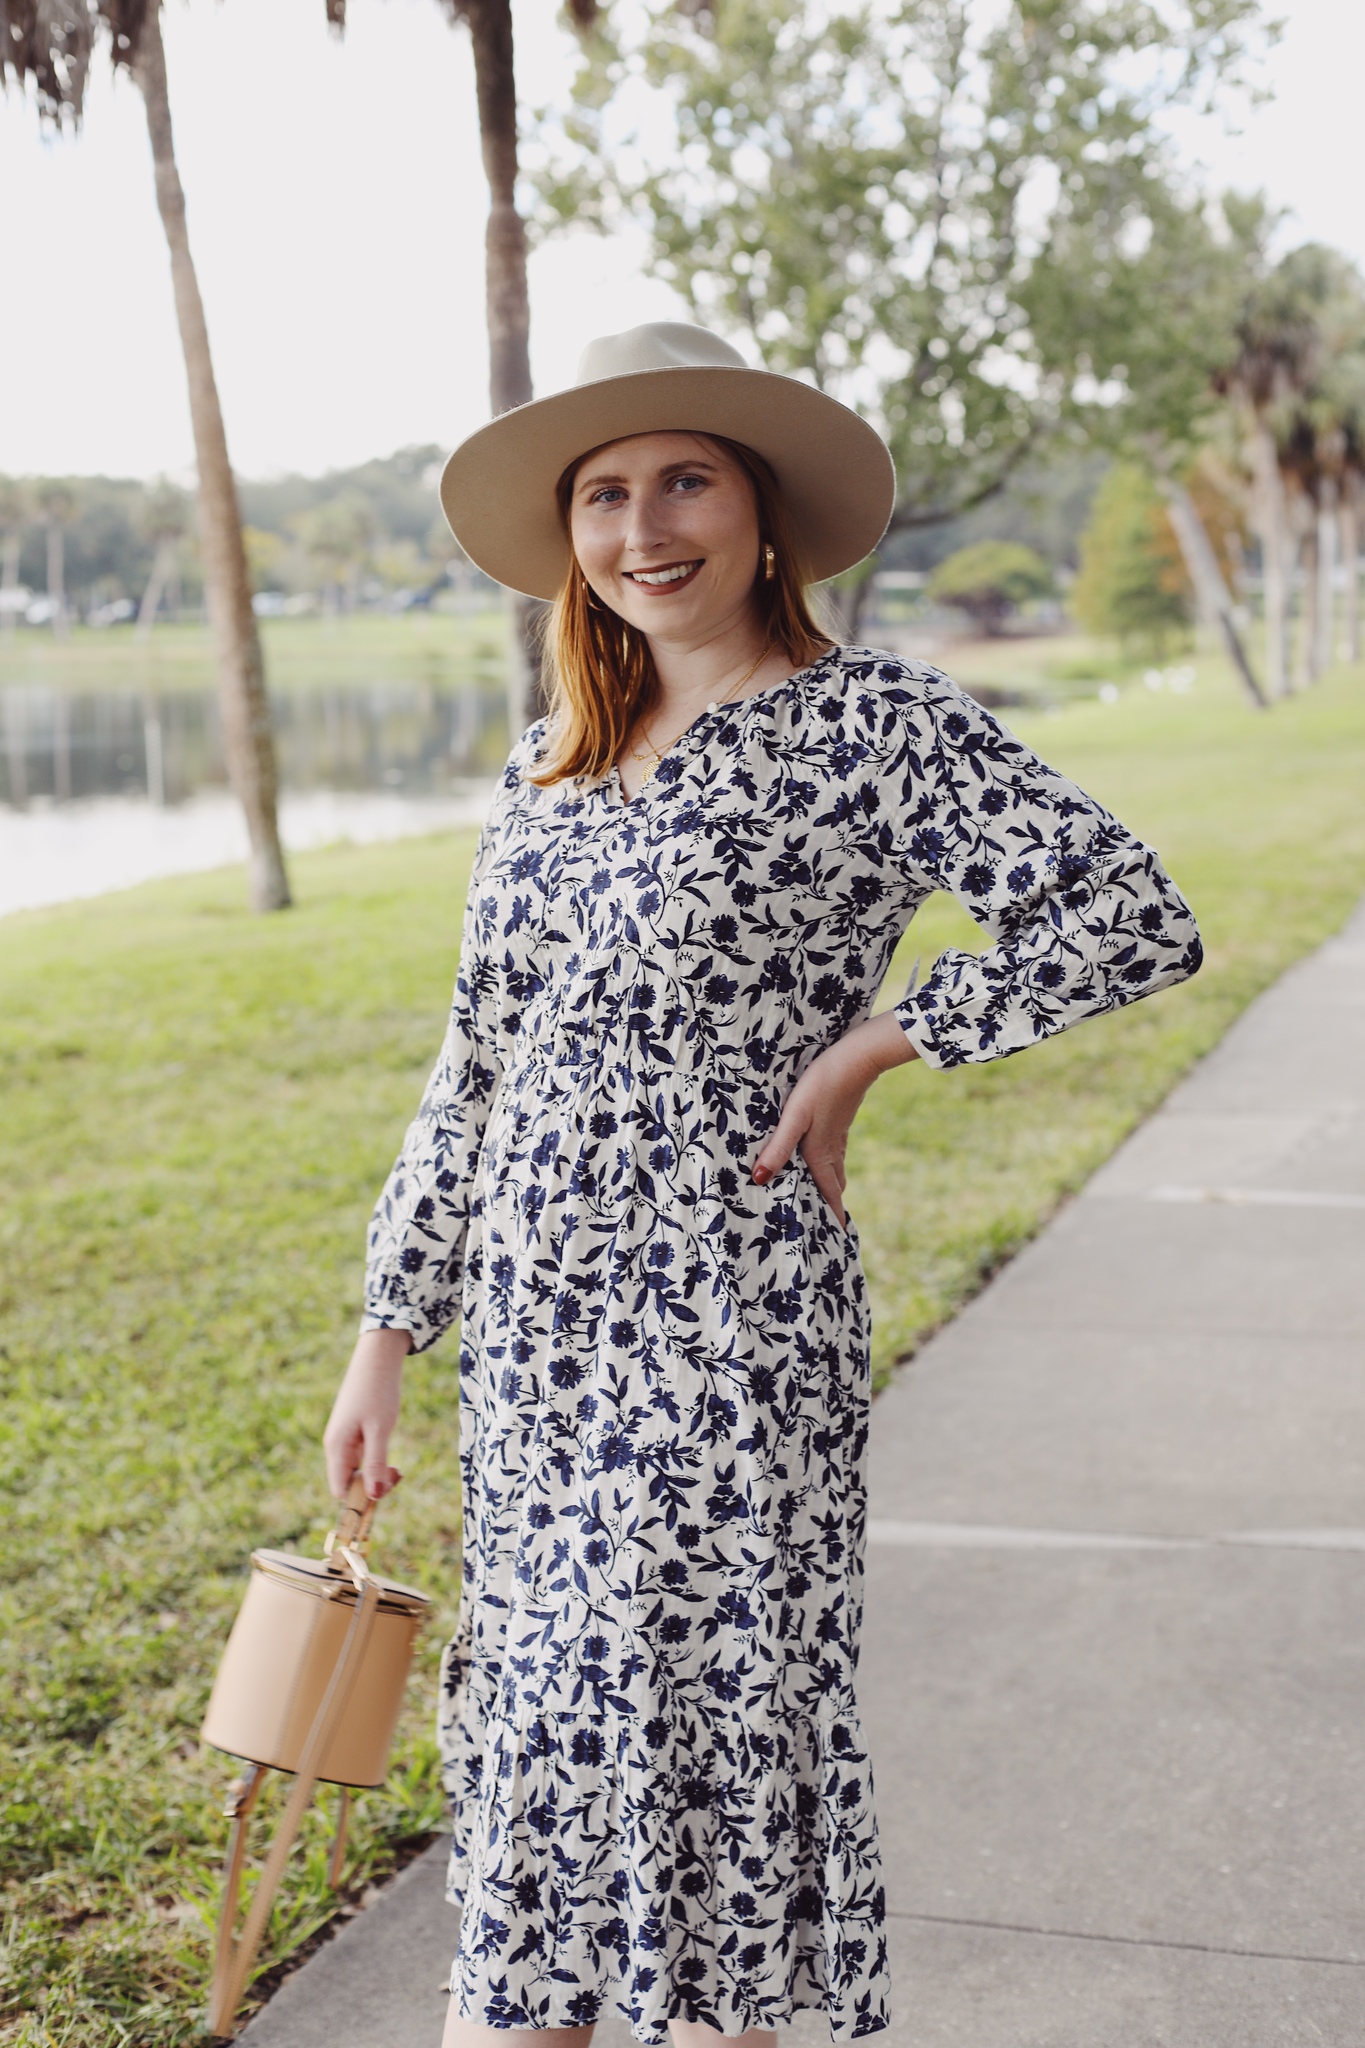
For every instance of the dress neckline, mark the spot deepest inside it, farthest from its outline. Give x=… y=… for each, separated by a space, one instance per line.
x=612 y=778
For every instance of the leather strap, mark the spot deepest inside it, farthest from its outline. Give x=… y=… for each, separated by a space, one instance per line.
x=241 y=1800
x=235 y=1955
x=338 y=1855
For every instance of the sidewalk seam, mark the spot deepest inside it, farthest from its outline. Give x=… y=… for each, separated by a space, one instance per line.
x=1199 y=1948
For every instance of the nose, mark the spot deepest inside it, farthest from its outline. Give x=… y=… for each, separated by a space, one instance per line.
x=646 y=531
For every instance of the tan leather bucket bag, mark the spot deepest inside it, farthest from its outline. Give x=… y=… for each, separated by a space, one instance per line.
x=311 y=1682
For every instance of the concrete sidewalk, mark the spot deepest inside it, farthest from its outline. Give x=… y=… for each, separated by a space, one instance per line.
x=1114 y=1663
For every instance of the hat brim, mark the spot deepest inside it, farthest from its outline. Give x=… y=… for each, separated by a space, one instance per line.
x=834 y=471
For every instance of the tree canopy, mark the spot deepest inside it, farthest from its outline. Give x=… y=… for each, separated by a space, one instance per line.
x=952 y=218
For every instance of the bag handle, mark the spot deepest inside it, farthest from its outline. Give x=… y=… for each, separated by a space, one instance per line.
x=236 y=1954
x=352 y=1531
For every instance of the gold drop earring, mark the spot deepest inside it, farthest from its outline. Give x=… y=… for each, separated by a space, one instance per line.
x=769 y=562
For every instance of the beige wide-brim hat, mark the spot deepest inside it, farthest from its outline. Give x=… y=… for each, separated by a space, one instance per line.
x=833 y=469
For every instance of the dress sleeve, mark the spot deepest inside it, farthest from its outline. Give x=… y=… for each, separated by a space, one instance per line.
x=1084 y=916
x=415 y=1261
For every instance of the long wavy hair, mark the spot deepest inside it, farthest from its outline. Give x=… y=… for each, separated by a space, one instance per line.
x=597 y=670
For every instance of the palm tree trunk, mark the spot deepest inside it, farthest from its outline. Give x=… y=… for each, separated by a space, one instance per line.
x=1272 y=526
x=509 y=311
x=1348 y=521
x=162 y=563
x=1325 y=595
x=507 y=298
x=243 y=704
x=1307 y=581
x=56 y=575
x=1210 y=587
x=9 y=576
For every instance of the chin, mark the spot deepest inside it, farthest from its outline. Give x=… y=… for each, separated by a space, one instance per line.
x=651 y=616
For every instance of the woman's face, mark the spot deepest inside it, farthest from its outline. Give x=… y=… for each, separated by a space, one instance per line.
x=665 y=529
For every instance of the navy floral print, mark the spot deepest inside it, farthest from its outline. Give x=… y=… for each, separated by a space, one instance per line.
x=650 y=1724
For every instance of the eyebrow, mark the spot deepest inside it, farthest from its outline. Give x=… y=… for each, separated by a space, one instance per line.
x=670 y=469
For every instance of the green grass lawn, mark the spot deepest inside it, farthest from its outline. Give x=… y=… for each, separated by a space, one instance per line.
x=198 y=1110
x=440 y=648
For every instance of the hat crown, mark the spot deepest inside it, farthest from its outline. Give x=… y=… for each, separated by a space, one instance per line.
x=658 y=345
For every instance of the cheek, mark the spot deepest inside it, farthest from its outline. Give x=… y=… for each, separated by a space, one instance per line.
x=732 y=522
x=592 y=549
x=734 y=539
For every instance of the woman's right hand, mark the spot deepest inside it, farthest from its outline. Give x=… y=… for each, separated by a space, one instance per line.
x=356 y=1438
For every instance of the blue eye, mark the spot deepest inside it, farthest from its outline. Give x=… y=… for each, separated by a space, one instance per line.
x=607 y=493
x=693 y=482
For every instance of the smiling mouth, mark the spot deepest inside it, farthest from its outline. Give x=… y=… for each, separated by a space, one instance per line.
x=670 y=578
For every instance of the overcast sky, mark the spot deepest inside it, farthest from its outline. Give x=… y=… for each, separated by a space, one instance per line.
x=336 y=214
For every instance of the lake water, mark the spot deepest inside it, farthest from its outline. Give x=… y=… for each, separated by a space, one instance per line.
x=412 y=737
x=103 y=789
x=53 y=853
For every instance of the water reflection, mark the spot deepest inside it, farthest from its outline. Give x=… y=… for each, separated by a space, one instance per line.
x=412 y=739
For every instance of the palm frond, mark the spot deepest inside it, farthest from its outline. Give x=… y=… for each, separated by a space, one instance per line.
x=49 y=44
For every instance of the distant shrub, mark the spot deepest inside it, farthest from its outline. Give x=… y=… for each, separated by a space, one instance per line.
x=989 y=580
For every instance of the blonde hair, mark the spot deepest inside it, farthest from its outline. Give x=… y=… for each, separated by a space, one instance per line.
x=597 y=670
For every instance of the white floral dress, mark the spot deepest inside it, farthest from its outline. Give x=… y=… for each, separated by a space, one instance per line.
x=650 y=1722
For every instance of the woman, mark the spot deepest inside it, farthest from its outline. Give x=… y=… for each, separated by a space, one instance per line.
x=627 y=1174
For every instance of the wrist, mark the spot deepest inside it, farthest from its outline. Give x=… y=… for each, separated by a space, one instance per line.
x=382 y=1351
x=870 y=1048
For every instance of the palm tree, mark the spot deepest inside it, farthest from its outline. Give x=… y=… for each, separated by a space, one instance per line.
x=53 y=45
x=55 y=503
x=1297 y=324
x=1215 y=603
x=165 y=523
x=1343 y=408
x=1316 y=432
x=1274 y=341
x=1348 y=516
x=1306 y=482
x=507 y=302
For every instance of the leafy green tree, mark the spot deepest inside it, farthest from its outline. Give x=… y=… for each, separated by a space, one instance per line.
x=1178 y=308
x=339 y=535
x=952 y=218
x=989 y=580
x=1132 y=579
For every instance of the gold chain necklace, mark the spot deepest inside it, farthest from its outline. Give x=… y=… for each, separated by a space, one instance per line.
x=637 y=753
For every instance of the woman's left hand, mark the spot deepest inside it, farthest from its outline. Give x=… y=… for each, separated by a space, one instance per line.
x=819 y=1112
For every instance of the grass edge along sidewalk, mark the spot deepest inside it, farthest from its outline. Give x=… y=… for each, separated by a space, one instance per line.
x=198 y=1108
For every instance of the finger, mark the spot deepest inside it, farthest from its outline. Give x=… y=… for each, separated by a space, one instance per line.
x=343 y=1459
x=791 y=1128
x=376 y=1471
x=830 y=1182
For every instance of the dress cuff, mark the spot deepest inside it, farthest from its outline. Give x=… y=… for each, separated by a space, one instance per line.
x=919 y=1029
x=425 y=1325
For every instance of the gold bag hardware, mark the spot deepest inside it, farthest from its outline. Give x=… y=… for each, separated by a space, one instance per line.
x=311 y=1682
